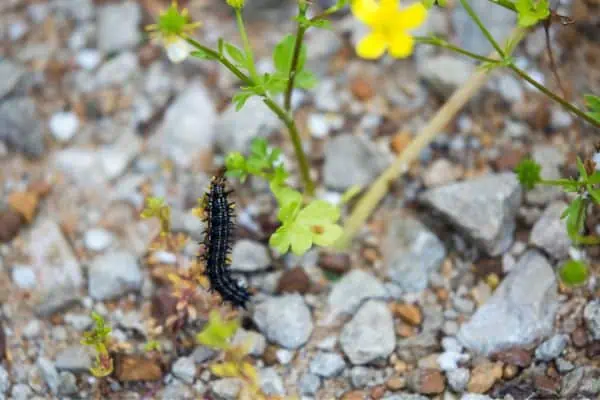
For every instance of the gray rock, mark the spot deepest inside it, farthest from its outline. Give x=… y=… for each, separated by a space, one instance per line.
x=370 y=334
x=114 y=274
x=76 y=359
x=309 y=384
x=285 y=320
x=98 y=239
x=10 y=75
x=202 y=354
x=63 y=126
x=496 y=19
x=458 y=379
x=189 y=125
x=68 y=384
x=178 y=390
x=484 y=208
x=406 y=396
x=117 y=71
x=80 y=322
x=591 y=315
x=185 y=369
x=572 y=382
x=446 y=72
x=21 y=391
x=519 y=312
x=238 y=128
x=327 y=364
x=249 y=256
x=270 y=382
x=351 y=160
x=550 y=159
x=20 y=126
x=550 y=232
x=118 y=26
x=362 y=377
x=411 y=253
x=475 y=396
x=23 y=276
x=49 y=373
x=552 y=347
x=563 y=365
x=509 y=88
x=4 y=381
x=353 y=289
x=258 y=343
x=414 y=348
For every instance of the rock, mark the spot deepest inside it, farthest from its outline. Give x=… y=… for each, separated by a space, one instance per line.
x=411 y=253
x=484 y=208
x=4 y=381
x=327 y=364
x=427 y=381
x=572 y=382
x=20 y=391
x=114 y=274
x=258 y=343
x=369 y=335
x=285 y=320
x=178 y=390
x=352 y=290
x=227 y=388
x=405 y=396
x=520 y=311
x=414 y=348
x=497 y=20
x=49 y=373
x=118 y=26
x=97 y=239
x=309 y=384
x=294 y=280
x=351 y=160
x=484 y=376
x=88 y=59
x=551 y=159
x=475 y=396
x=185 y=369
x=10 y=224
x=10 y=75
x=117 y=71
x=446 y=72
x=24 y=277
x=63 y=126
x=189 y=125
x=58 y=272
x=441 y=172
x=270 y=382
x=449 y=360
x=135 y=369
x=202 y=353
x=591 y=315
x=249 y=256
x=76 y=358
x=458 y=379
x=509 y=88
x=552 y=348
x=20 y=126
x=515 y=356
x=550 y=232
x=363 y=377
x=409 y=313
x=238 y=128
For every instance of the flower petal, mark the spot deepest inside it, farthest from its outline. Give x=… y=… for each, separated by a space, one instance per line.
x=178 y=51
x=330 y=233
x=371 y=46
x=412 y=16
x=365 y=10
x=401 y=45
x=301 y=239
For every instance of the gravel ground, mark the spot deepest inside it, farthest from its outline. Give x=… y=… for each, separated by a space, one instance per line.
x=93 y=118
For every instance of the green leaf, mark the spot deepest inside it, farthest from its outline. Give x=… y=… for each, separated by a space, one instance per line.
x=202 y=55
x=593 y=104
x=240 y=99
x=573 y=272
x=217 y=332
x=220 y=46
x=236 y=166
x=595 y=193
x=529 y=173
x=594 y=179
x=305 y=80
x=532 y=11
x=581 y=168
x=430 y=3
x=284 y=53
x=575 y=216
x=236 y=54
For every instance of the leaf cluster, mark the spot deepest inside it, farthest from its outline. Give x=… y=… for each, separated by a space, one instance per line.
x=99 y=338
x=530 y=12
x=263 y=161
x=157 y=208
x=593 y=104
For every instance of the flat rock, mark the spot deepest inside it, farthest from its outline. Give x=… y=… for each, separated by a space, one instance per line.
x=249 y=256
x=484 y=208
x=118 y=26
x=591 y=315
x=520 y=311
x=114 y=274
x=411 y=253
x=550 y=232
x=20 y=126
x=10 y=74
x=327 y=364
x=369 y=335
x=76 y=358
x=285 y=320
x=353 y=289
x=446 y=72
x=550 y=159
x=352 y=160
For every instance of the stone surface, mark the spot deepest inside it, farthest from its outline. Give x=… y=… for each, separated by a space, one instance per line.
x=249 y=256
x=484 y=376
x=446 y=72
x=351 y=160
x=327 y=364
x=352 y=290
x=411 y=253
x=550 y=159
x=136 y=368
x=552 y=348
x=117 y=71
x=285 y=320
x=118 y=26
x=369 y=335
x=227 y=388
x=49 y=373
x=98 y=239
x=185 y=369
x=20 y=126
x=76 y=358
x=591 y=315
x=63 y=125
x=114 y=274
x=426 y=381
x=484 y=208
x=520 y=311
x=550 y=232
x=309 y=384
x=270 y=382
x=458 y=379
x=10 y=75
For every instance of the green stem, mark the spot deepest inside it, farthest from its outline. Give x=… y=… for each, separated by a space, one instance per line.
x=482 y=27
x=246 y=44
x=300 y=30
x=449 y=46
x=509 y=5
x=565 y=104
x=284 y=116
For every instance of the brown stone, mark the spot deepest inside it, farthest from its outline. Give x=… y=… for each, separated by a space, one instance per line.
x=510 y=371
x=395 y=383
x=10 y=224
x=135 y=369
x=593 y=350
x=355 y=395
x=378 y=392
x=579 y=337
x=294 y=280
x=514 y=356
x=362 y=89
x=2 y=343
x=546 y=385
x=409 y=313
x=270 y=355
x=400 y=141
x=509 y=158
x=427 y=381
x=484 y=376
x=338 y=262
x=163 y=305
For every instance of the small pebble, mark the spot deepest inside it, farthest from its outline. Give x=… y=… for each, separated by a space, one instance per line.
x=23 y=277
x=63 y=126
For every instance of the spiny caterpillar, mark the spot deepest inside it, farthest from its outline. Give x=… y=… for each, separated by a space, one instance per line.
x=219 y=218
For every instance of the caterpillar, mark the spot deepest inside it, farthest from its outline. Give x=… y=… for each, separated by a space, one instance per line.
x=219 y=217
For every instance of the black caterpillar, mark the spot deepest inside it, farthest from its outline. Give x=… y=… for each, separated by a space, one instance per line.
x=219 y=217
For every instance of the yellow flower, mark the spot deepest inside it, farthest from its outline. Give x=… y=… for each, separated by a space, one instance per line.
x=389 y=26
x=172 y=29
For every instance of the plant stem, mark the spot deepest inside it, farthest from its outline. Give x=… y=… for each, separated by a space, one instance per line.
x=509 y=5
x=282 y=114
x=449 y=46
x=300 y=30
x=482 y=27
x=246 y=43
x=565 y=104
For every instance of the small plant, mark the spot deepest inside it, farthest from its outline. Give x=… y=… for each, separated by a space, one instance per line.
x=99 y=339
